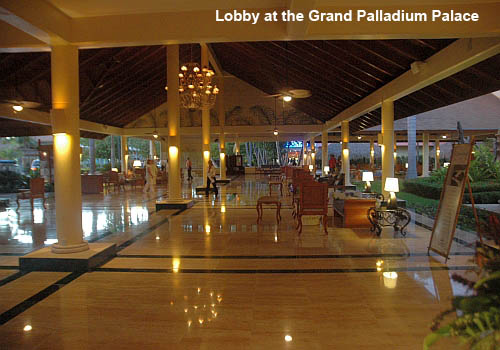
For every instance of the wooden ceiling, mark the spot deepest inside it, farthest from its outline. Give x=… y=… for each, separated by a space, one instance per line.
x=118 y=85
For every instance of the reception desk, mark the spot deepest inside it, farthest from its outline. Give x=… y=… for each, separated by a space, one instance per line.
x=92 y=184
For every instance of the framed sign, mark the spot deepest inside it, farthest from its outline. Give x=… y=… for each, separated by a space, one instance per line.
x=451 y=200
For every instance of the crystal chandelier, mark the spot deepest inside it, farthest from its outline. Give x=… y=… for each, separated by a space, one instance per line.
x=196 y=90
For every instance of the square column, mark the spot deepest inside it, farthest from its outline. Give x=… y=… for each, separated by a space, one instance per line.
x=372 y=153
x=388 y=142
x=425 y=155
x=324 y=151
x=346 y=162
x=313 y=154
x=174 y=116
x=222 y=122
x=437 y=153
x=66 y=129
x=124 y=153
x=205 y=122
x=237 y=145
x=411 y=172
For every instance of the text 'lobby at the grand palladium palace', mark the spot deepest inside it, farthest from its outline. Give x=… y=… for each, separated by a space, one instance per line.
x=252 y=174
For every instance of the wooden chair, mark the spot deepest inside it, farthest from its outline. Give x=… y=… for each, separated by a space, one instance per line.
x=37 y=190
x=313 y=200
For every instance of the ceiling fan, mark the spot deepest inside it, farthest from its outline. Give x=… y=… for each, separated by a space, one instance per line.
x=290 y=94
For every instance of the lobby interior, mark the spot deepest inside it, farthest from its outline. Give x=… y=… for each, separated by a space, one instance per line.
x=203 y=273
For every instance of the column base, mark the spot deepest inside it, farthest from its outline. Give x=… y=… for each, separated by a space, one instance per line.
x=56 y=248
x=46 y=260
x=182 y=204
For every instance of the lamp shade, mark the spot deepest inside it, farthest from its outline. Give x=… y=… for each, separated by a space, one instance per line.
x=137 y=163
x=391 y=184
x=114 y=169
x=311 y=167
x=367 y=176
x=326 y=168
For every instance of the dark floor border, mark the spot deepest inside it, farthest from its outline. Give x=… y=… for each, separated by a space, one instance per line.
x=296 y=271
x=12 y=277
x=13 y=254
x=9 y=267
x=328 y=256
x=26 y=304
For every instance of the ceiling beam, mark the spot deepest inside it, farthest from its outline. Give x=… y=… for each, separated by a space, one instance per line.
x=458 y=56
x=43 y=118
x=39 y=19
x=50 y=25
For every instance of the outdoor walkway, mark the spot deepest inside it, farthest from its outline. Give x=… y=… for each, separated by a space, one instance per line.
x=212 y=278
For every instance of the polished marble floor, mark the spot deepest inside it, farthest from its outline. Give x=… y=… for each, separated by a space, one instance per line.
x=210 y=277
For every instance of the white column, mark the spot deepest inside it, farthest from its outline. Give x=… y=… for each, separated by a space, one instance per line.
x=425 y=154
x=388 y=142
x=346 y=162
x=205 y=122
x=372 y=153
x=411 y=172
x=304 y=151
x=124 y=153
x=222 y=122
x=324 y=152
x=437 y=154
x=66 y=129
x=92 y=155
x=173 y=107
x=163 y=152
x=313 y=154
x=151 y=149
x=237 y=145
x=112 y=156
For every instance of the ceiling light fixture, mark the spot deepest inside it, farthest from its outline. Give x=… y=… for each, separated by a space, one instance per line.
x=287 y=98
x=196 y=89
x=17 y=108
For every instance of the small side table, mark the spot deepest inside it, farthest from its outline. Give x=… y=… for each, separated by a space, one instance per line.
x=268 y=200
x=398 y=218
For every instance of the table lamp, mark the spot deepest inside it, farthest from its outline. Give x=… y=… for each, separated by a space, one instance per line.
x=114 y=169
x=392 y=186
x=327 y=169
x=368 y=176
x=137 y=163
x=311 y=167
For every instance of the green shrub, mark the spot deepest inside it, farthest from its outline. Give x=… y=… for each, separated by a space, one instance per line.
x=423 y=187
x=491 y=197
x=484 y=166
x=485 y=186
x=11 y=182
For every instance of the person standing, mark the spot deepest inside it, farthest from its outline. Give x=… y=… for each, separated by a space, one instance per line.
x=333 y=164
x=151 y=172
x=189 y=167
x=211 y=179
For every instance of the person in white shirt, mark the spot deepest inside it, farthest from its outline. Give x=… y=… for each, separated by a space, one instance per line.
x=211 y=179
x=151 y=172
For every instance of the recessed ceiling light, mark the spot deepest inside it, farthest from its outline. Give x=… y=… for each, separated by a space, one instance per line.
x=17 y=108
x=287 y=98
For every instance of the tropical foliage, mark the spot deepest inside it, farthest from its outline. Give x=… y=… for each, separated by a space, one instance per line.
x=477 y=321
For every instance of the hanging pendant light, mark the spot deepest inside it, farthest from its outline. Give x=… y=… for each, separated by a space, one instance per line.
x=196 y=89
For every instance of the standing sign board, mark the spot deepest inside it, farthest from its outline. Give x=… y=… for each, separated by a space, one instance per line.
x=451 y=199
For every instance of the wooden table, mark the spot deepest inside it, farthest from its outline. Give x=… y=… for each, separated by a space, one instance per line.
x=268 y=200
